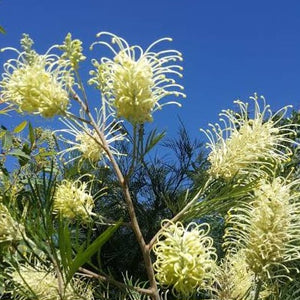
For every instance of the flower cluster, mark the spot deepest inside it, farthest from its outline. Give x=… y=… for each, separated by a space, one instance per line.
x=234 y=278
x=90 y=146
x=135 y=80
x=72 y=51
x=36 y=83
x=248 y=144
x=185 y=257
x=73 y=200
x=10 y=230
x=267 y=228
x=87 y=141
x=41 y=283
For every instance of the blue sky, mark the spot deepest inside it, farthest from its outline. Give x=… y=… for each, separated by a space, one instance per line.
x=231 y=48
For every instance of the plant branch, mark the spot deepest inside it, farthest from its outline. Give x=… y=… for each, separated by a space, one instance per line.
x=59 y=277
x=115 y=282
x=124 y=185
x=179 y=215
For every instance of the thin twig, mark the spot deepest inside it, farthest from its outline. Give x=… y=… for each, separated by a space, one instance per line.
x=60 y=280
x=179 y=215
x=115 y=282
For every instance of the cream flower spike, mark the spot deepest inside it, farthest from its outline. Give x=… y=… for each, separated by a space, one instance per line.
x=36 y=83
x=233 y=278
x=86 y=141
x=73 y=200
x=135 y=81
x=267 y=228
x=246 y=144
x=41 y=283
x=185 y=257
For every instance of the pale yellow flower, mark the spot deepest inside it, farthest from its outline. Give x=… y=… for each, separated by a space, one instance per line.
x=87 y=144
x=72 y=200
x=234 y=279
x=248 y=145
x=40 y=282
x=268 y=228
x=135 y=81
x=72 y=51
x=36 y=83
x=10 y=230
x=185 y=257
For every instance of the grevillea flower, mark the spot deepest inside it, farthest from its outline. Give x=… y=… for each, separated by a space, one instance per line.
x=72 y=200
x=234 y=279
x=72 y=51
x=268 y=228
x=10 y=230
x=41 y=282
x=185 y=257
x=135 y=81
x=35 y=83
x=87 y=142
x=248 y=144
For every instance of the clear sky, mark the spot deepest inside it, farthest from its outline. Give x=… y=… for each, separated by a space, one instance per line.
x=231 y=48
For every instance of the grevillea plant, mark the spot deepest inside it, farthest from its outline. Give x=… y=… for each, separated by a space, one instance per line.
x=86 y=193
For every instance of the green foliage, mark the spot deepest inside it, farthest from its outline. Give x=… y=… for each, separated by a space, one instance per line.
x=140 y=192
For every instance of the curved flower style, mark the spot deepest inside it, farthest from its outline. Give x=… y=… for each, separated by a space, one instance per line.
x=10 y=230
x=185 y=257
x=268 y=228
x=73 y=200
x=234 y=278
x=87 y=141
x=135 y=81
x=41 y=283
x=248 y=144
x=36 y=83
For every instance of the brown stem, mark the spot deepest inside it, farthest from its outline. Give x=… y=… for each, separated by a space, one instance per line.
x=115 y=282
x=59 y=277
x=134 y=222
x=135 y=225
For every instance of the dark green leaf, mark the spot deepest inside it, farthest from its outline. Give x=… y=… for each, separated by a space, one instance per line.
x=31 y=134
x=26 y=149
x=152 y=139
x=83 y=257
x=65 y=246
x=2 y=30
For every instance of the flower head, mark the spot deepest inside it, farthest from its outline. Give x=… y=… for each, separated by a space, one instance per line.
x=268 y=228
x=248 y=144
x=185 y=257
x=39 y=282
x=73 y=200
x=89 y=147
x=234 y=278
x=87 y=143
x=134 y=81
x=35 y=83
x=10 y=230
x=72 y=51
